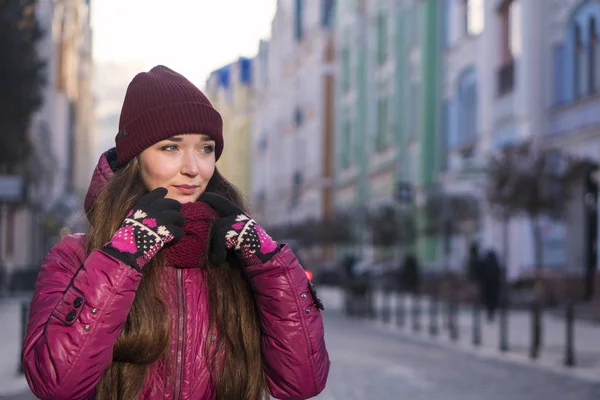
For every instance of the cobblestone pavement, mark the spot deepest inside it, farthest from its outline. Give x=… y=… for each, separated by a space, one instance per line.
x=371 y=363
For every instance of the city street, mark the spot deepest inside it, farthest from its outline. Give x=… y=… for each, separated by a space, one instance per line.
x=371 y=363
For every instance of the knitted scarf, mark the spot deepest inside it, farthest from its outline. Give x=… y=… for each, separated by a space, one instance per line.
x=188 y=252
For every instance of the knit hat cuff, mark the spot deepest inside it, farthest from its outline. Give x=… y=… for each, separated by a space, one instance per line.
x=164 y=122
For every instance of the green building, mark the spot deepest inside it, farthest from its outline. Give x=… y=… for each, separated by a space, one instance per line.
x=387 y=112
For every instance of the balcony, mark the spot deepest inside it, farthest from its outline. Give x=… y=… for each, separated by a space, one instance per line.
x=580 y=115
x=506 y=78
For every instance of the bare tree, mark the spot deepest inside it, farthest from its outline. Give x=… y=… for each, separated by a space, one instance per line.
x=450 y=214
x=533 y=181
x=337 y=229
x=21 y=80
x=391 y=227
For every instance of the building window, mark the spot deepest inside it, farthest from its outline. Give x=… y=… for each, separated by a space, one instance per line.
x=327 y=13
x=382 y=38
x=296 y=188
x=346 y=145
x=261 y=201
x=10 y=232
x=413 y=103
x=446 y=129
x=381 y=139
x=446 y=23
x=514 y=28
x=298 y=117
x=412 y=26
x=298 y=20
x=413 y=163
x=467 y=111
x=345 y=78
x=558 y=64
x=594 y=57
x=474 y=16
x=510 y=36
x=581 y=76
x=583 y=58
x=262 y=143
x=510 y=31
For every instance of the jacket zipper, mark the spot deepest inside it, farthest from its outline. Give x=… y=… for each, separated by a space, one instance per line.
x=180 y=335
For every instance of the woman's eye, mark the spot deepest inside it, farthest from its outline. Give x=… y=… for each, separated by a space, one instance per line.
x=170 y=147
x=208 y=149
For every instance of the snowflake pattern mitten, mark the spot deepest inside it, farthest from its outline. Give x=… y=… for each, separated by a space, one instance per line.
x=152 y=223
x=238 y=232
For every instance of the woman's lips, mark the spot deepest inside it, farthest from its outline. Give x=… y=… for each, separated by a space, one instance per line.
x=187 y=189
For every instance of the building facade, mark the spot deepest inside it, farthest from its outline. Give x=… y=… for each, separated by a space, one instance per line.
x=572 y=113
x=425 y=92
x=519 y=70
x=387 y=107
x=59 y=135
x=470 y=99
x=292 y=133
x=230 y=90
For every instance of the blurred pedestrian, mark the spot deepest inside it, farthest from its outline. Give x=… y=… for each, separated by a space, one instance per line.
x=411 y=274
x=490 y=278
x=473 y=263
x=175 y=292
x=348 y=263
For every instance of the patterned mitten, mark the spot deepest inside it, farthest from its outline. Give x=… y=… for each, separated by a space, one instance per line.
x=236 y=231
x=152 y=223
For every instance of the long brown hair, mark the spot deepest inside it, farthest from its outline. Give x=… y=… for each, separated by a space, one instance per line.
x=145 y=337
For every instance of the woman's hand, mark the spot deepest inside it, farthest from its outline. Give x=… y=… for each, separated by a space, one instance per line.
x=153 y=222
x=236 y=231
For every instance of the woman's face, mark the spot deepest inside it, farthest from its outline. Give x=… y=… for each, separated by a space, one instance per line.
x=182 y=164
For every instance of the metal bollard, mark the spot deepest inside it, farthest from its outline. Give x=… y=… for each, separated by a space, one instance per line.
x=370 y=303
x=448 y=309
x=453 y=320
x=476 y=324
x=433 y=316
x=386 y=311
x=503 y=325
x=400 y=310
x=416 y=314
x=24 y=320
x=569 y=324
x=536 y=330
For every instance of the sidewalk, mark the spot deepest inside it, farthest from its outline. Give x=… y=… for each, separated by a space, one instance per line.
x=12 y=383
x=552 y=351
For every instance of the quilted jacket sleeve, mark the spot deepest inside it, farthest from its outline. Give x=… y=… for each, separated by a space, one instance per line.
x=79 y=307
x=296 y=362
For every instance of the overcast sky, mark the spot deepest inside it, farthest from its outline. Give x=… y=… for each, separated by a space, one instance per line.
x=193 y=37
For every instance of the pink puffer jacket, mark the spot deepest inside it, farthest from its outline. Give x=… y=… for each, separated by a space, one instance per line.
x=81 y=303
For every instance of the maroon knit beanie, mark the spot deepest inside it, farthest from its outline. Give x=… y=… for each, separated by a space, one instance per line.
x=160 y=104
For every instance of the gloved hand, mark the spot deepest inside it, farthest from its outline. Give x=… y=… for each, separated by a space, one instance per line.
x=153 y=222
x=236 y=231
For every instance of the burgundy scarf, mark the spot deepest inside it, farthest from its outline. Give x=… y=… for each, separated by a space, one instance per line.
x=188 y=252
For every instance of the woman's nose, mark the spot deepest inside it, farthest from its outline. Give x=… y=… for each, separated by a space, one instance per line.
x=190 y=165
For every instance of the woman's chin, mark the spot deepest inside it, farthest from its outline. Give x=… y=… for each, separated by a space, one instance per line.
x=185 y=198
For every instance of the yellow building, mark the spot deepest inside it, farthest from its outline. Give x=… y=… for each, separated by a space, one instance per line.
x=230 y=90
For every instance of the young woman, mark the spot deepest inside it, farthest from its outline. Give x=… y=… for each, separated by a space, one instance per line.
x=175 y=292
